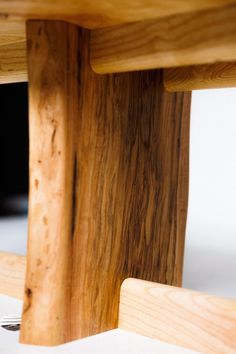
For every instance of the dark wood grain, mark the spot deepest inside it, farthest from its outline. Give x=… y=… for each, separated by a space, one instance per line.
x=129 y=191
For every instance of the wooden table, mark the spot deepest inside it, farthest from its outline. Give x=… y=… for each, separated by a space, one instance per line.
x=109 y=146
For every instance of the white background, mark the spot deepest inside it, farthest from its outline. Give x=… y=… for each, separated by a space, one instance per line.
x=210 y=253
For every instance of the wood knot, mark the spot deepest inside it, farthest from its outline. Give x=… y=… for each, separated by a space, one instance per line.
x=28 y=292
x=36 y=183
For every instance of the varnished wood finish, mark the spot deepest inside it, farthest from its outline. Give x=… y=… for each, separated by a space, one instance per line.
x=187 y=318
x=188 y=39
x=112 y=205
x=52 y=53
x=220 y=75
x=102 y=13
x=182 y=39
x=12 y=274
x=13 y=66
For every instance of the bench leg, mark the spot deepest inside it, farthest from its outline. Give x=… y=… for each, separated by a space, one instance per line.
x=108 y=185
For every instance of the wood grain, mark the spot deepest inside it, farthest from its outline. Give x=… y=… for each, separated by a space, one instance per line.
x=12 y=274
x=200 y=77
x=52 y=50
x=131 y=190
x=113 y=203
x=187 y=318
x=174 y=41
x=102 y=13
x=12 y=30
x=13 y=63
x=188 y=39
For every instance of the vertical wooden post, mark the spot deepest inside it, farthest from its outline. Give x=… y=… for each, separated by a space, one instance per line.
x=52 y=104
x=108 y=190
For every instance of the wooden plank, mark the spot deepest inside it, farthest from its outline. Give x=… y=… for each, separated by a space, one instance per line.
x=187 y=318
x=13 y=66
x=220 y=75
x=132 y=142
x=102 y=13
x=108 y=190
x=189 y=39
x=12 y=274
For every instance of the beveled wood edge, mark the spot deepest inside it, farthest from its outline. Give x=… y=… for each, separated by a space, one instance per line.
x=176 y=41
x=199 y=77
x=183 y=317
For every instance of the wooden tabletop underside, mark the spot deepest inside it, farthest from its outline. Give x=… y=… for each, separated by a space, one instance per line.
x=198 y=36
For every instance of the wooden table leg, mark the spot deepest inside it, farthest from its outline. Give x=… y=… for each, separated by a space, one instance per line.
x=108 y=185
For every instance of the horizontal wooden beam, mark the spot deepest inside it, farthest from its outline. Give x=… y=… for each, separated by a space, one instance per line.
x=200 y=77
x=12 y=30
x=13 y=66
x=95 y=14
x=12 y=274
x=190 y=39
x=183 y=317
x=183 y=40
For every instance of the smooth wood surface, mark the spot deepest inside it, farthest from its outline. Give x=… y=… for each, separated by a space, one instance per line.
x=12 y=30
x=176 y=40
x=13 y=66
x=102 y=13
x=200 y=77
x=108 y=186
x=187 y=318
x=52 y=53
x=12 y=274
x=188 y=39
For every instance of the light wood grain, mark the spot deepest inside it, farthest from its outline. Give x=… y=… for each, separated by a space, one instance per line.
x=12 y=30
x=94 y=14
x=200 y=77
x=52 y=75
x=13 y=66
x=108 y=186
x=180 y=40
x=12 y=274
x=189 y=39
x=187 y=318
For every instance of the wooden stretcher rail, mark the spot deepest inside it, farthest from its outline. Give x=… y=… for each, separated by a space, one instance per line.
x=200 y=77
x=183 y=317
x=12 y=274
x=12 y=30
x=188 y=39
x=13 y=65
